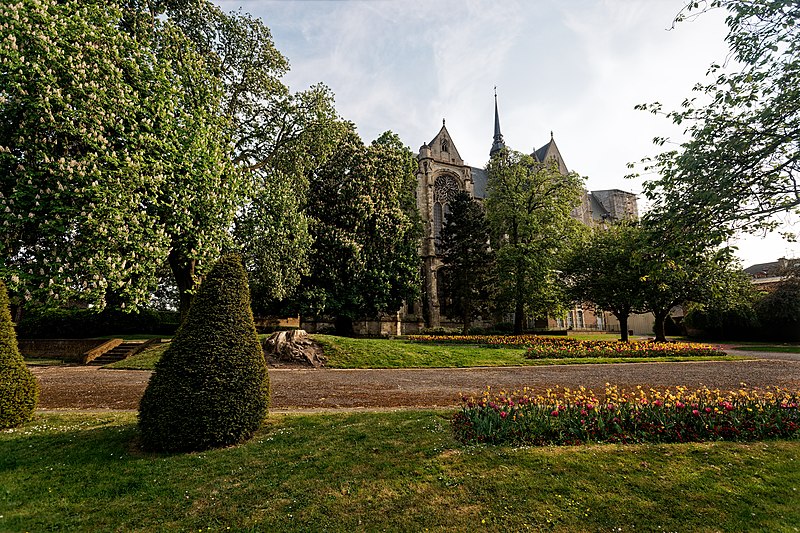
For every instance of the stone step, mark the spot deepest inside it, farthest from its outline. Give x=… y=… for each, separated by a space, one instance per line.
x=115 y=354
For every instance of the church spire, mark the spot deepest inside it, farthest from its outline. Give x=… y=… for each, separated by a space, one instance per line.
x=498 y=143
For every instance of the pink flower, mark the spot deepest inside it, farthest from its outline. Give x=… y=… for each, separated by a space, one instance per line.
x=695 y=412
x=707 y=409
x=554 y=412
x=658 y=403
x=589 y=406
x=503 y=414
x=584 y=412
x=680 y=405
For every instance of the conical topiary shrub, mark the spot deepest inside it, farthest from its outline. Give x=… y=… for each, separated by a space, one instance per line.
x=210 y=387
x=19 y=390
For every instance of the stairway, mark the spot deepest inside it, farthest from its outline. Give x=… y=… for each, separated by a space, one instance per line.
x=116 y=354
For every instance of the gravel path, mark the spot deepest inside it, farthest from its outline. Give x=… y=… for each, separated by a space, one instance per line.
x=79 y=387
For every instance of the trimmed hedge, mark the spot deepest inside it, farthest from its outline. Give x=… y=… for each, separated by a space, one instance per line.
x=211 y=386
x=19 y=390
x=85 y=323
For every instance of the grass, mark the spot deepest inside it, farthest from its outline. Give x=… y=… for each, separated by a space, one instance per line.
x=398 y=471
x=41 y=361
x=344 y=352
x=774 y=348
x=144 y=360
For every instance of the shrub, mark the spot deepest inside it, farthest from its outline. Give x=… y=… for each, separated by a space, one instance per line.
x=84 y=323
x=779 y=311
x=19 y=390
x=211 y=387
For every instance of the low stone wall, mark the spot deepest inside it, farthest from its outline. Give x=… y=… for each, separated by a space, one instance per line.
x=71 y=350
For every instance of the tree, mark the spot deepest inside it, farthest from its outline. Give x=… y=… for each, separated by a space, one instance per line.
x=604 y=269
x=468 y=263
x=731 y=316
x=211 y=387
x=679 y=270
x=133 y=134
x=528 y=208
x=365 y=227
x=112 y=154
x=740 y=166
x=779 y=311
x=19 y=390
x=276 y=139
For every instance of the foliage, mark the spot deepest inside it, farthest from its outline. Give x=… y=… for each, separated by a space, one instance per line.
x=110 y=148
x=604 y=269
x=468 y=263
x=211 y=387
x=188 y=145
x=729 y=314
x=46 y=323
x=740 y=165
x=678 y=271
x=19 y=390
x=779 y=311
x=578 y=417
x=528 y=208
x=365 y=228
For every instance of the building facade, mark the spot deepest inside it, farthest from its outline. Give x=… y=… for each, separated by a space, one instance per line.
x=441 y=174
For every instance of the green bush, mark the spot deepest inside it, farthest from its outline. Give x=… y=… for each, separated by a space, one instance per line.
x=779 y=311
x=19 y=390
x=85 y=323
x=211 y=387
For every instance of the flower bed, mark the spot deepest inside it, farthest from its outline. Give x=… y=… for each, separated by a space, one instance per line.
x=563 y=348
x=543 y=347
x=483 y=340
x=576 y=417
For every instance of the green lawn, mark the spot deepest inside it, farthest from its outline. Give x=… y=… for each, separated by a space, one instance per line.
x=775 y=348
x=398 y=471
x=344 y=352
x=144 y=360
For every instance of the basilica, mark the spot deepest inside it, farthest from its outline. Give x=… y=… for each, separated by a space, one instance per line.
x=441 y=174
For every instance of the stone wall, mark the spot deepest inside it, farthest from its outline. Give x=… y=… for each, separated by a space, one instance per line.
x=67 y=349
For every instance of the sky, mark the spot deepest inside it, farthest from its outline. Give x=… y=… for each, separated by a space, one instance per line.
x=575 y=68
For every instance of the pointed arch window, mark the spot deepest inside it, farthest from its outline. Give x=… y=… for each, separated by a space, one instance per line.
x=445 y=189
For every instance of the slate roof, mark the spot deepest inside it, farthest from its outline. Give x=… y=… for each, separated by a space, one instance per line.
x=764 y=269
x=479 y=179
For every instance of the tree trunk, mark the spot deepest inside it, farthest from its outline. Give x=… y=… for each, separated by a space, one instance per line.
x=658 y=326
x=183 y=270
x=519 y=315
x=623 y=327
x=519 y=299
x=467 y=317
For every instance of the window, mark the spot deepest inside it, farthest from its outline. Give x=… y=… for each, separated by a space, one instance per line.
x=444 y=189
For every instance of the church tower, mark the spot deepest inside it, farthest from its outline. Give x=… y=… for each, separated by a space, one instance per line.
x=441 y=174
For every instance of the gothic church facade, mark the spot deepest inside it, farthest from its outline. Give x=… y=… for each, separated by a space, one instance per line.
x=441 y=174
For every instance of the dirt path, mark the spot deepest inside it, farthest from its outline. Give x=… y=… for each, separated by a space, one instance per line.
x=72 y=387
